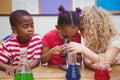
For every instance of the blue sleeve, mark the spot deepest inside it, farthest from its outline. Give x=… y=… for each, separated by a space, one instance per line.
x=5 y=38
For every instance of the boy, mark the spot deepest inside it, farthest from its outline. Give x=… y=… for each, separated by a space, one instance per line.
x=23 y=24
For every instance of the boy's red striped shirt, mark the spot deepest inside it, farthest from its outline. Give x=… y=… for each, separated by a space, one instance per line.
x=11 y=49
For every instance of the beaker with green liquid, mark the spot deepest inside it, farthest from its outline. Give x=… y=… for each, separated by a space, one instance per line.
x=23 y=71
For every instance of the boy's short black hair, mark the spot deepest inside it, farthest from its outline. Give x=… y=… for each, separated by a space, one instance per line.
x=15 y=15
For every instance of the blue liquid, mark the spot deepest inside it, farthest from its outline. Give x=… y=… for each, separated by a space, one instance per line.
x=73 y=73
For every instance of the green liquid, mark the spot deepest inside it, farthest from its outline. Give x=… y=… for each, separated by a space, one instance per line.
x=23 y=76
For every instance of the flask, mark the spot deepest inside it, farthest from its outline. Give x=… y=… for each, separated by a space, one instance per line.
x=23 y=71
x=73 y=72
x=101 y=72
x=64 y=54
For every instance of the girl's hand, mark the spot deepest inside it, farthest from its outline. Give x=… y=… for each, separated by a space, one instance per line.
x=56 y=50
x=108 y=67
x=104 y=65
x=107 y=64
x=75 y=47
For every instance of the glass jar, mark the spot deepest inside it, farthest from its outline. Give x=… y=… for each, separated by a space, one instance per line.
x=101 y=72
x=23 y=71
x=73 y=72
x=64 y=54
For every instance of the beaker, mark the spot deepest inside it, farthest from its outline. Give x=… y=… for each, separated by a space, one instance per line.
x=101 y=72
x=23 y=71
x=73 y=72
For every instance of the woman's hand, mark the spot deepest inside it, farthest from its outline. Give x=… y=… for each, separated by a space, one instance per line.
x=75 y=47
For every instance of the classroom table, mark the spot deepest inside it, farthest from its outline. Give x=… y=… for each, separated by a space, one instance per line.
x=55 y=73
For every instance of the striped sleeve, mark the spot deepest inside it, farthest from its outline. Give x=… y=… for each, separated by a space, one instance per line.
x=36 y=46
x=4 y=54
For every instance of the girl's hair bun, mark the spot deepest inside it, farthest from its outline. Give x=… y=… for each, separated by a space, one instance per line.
x=78 y=10
x=61 y=9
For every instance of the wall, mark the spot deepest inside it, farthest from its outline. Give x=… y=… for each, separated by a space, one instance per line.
x=116 y=20
x=42 y=24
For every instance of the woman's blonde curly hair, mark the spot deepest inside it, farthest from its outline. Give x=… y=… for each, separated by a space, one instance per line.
x=98 y=28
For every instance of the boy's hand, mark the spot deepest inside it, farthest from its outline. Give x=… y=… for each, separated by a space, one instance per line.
x=10 y=70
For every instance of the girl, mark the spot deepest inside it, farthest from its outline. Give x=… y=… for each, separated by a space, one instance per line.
x=67 y=27
x=100 y=37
